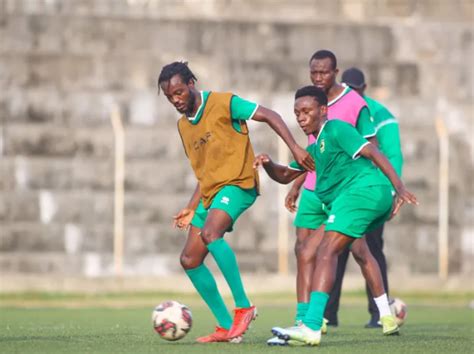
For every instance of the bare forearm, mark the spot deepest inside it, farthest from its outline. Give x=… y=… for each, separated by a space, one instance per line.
x=275 y=121
x=299 y=181
x=280 y=173
x=195 y=198
x=372 y=153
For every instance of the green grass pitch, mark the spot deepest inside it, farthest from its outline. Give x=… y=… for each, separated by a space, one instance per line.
x=51 y=329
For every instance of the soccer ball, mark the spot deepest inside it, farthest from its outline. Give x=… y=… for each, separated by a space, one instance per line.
x=399 y=310
x=172 y=320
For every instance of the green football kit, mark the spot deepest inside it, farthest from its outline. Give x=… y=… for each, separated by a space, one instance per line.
x=356 y=194
x=388 y=133
x=232 y=199
x=312 y=213
x=349 y=107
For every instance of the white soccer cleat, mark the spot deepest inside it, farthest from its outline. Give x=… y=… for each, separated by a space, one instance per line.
x=275 y=341
x=298 y=333
x=276 y=330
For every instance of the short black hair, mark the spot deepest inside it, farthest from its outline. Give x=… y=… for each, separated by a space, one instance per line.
x=176 y=68
x=323 y=54
x=313 y=91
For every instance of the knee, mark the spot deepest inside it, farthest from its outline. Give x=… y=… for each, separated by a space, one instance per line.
x=209 y=235
x=325 y=251
x=298 y=247
x=189 y=262
x=360 y=259
x=360 y=255
x=303 y=252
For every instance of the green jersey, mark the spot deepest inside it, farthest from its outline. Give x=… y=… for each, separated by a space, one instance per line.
x=240 y=109
x=388 y=133
x=338 y=164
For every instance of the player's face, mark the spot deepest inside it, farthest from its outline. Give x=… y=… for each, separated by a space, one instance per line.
x=322 y=74
x=179 y=94
x=308 y=113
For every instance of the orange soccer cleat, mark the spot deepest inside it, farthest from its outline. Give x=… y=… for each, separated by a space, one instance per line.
x=242 y=319
x=220 y=335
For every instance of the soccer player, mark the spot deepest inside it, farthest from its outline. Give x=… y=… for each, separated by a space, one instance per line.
x=216 y=141
x=358 y=199
x=344 y=104
x=388 y=137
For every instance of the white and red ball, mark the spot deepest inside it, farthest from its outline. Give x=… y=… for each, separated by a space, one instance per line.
x=399 y=310
x=172 y=320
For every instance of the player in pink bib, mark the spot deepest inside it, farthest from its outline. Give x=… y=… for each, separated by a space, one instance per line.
x=348 y=107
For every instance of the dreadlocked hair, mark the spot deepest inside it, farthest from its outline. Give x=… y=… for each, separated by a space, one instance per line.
x=176 y=68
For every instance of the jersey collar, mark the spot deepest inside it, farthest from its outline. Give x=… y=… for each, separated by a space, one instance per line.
x=191 y=119
x=346 y=89
x=320 y=131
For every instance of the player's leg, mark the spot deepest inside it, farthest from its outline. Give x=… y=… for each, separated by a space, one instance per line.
x=307 y=242
x=373 y=277
x=192 y=261
x=306 y=245
x=192 y=258
x=369 y=266
x=375 y=242
x=332 y=307
x=227 y=206
x=332 y=244
x=353 y=213
x=324 y=276
x=304 y=264
x=309 y=221
x=217 y=222
x=359 y=212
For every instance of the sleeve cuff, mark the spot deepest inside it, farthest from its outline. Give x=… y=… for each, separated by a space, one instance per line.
x=294 y=168
x=254 y=111
x=370 y=135
x=355 y=156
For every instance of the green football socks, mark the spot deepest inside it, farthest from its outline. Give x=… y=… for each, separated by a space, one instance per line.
x=301 y=310
x=206 y=286
x=317 y=305
x=227 y=263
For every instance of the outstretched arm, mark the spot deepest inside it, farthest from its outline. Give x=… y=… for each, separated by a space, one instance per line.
x=275 y=121
x=371 y=152
x=279 y=173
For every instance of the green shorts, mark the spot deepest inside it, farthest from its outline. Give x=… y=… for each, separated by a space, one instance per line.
x=311 y=213
x=232 y=199
x=359 y=211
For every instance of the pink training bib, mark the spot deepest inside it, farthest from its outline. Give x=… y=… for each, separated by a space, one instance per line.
x=345 y=107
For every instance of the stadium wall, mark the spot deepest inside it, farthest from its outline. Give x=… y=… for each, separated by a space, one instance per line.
x=64 y=63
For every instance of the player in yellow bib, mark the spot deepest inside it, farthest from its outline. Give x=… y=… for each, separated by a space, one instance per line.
x=215 y=138
x=358 y=199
